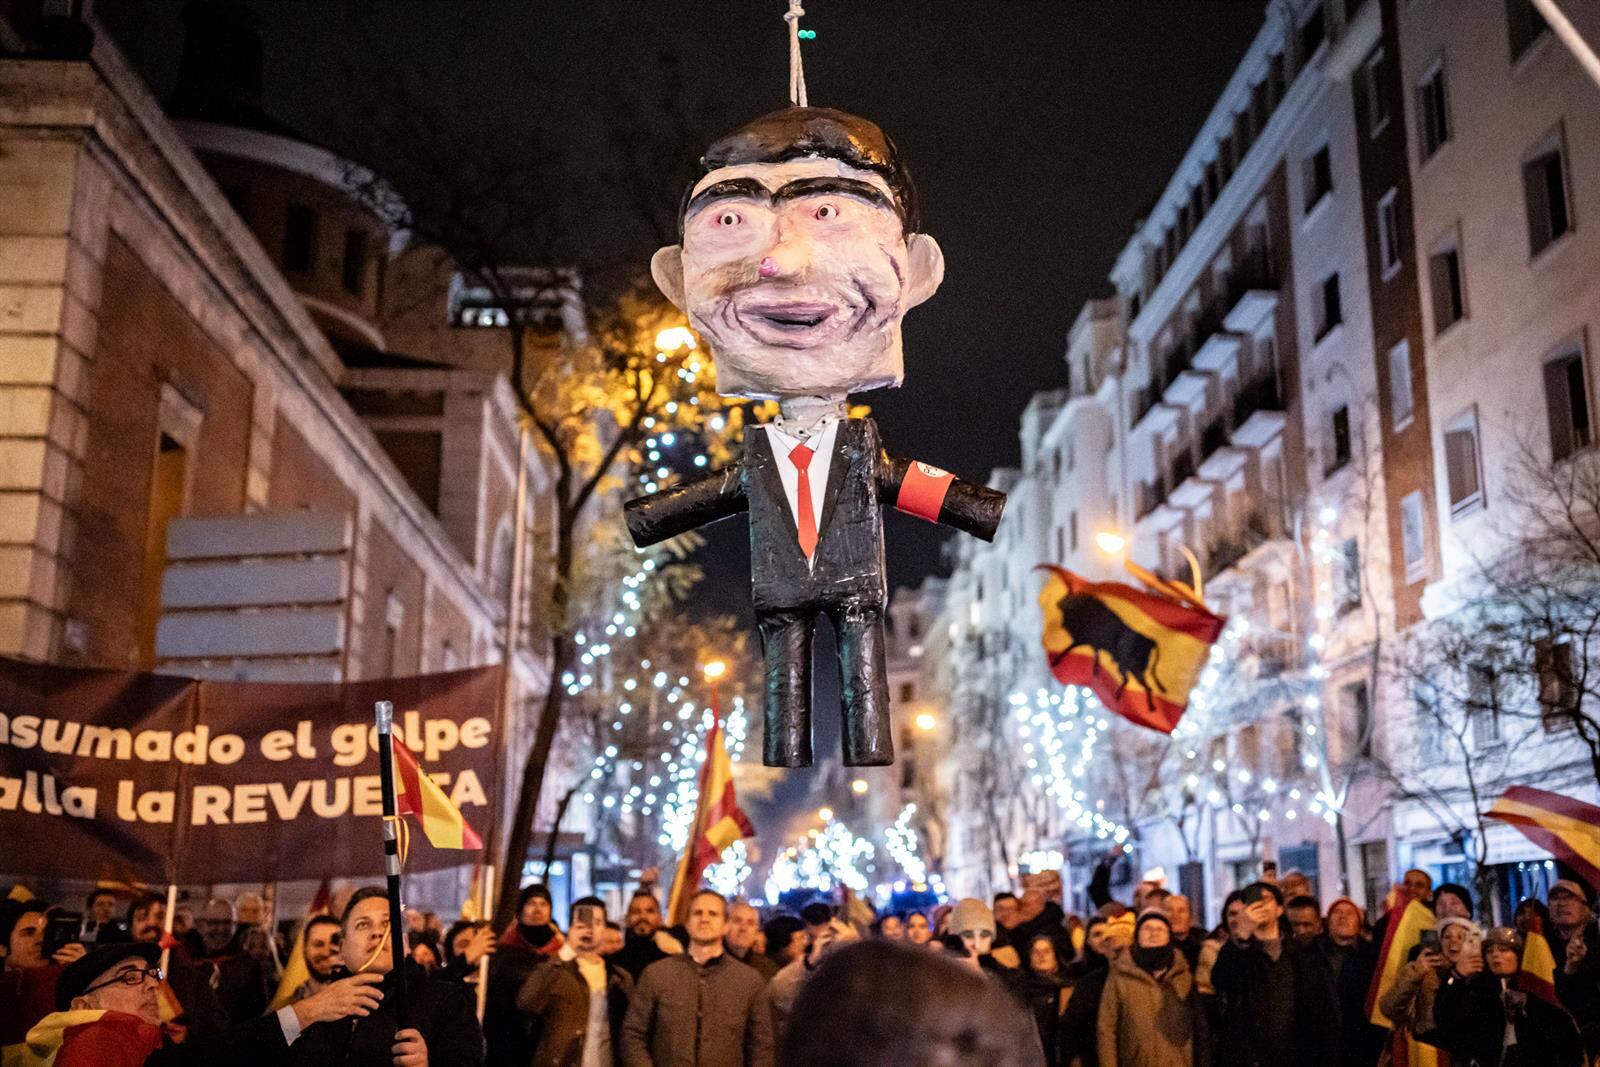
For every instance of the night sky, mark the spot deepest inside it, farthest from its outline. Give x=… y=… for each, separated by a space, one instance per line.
x=1037 y=131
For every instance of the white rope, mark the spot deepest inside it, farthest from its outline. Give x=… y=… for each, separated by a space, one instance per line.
x=797 y=72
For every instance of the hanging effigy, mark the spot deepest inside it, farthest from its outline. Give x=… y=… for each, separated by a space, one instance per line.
x=799 y=256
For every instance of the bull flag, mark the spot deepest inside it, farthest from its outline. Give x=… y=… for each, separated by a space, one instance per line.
x=419 y=795
x=1568 y=829
x=1138 y=652
x=718 y=823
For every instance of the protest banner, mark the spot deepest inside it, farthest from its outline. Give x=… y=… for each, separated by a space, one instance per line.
x=166 y=778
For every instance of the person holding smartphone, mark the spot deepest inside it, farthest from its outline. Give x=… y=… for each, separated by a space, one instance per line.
x=28 y=972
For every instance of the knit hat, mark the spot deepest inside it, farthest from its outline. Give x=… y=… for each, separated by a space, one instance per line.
x=1152 y=915
x=971 y=914
x=538 y=889
x=1455 y=920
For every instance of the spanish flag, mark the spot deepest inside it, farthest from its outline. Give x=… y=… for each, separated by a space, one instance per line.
x=296 y=972
x=1140 y=653
x=1567 y=829
x=718 y=823
x=419 y=795
x=1406 y=923
x=1538 y=975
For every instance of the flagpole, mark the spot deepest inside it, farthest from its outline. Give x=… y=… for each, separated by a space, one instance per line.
x=486 y=910
x=166 y=933
x=384 y=713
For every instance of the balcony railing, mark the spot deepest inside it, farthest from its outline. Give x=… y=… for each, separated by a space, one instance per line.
x=1213 y=437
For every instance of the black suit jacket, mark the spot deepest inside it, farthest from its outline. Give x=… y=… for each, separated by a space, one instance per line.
x=849 y=559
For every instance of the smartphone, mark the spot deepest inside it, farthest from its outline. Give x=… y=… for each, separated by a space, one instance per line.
x=1429 y=940
x=61 y=929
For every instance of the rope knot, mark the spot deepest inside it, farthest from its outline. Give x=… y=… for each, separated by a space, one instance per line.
x=797 y=75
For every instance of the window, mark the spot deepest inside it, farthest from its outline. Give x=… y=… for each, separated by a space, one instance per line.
x=1449 y=292
x=1313 y=31
x=1483 y=704
x=1372 y=83
x=1061 y=545
x=1544 y=188
x=1375 y=877
x=1389 y=234
x=1461 y=464
x=1338 y=439
x=1073 y=527
x=1430 y=724
x=1358 y=712
x=1433 y=106
x=299 y=236
x=1566 y=397
x=355 y=260
x=1331 y=311
x=1558 y=688
x=1348 y=566
x=1524 y=25
x=908 y=692
x=1318 y=177
x=1413 y=537
x=1400 y=399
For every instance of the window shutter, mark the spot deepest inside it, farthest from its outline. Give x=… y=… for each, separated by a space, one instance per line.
x=1536 y=194
x=1558 y=406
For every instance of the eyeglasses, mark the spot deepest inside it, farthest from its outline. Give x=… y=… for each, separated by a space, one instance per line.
x=134 y=977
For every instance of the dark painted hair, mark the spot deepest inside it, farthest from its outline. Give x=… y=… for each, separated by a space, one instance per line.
x=797 y=132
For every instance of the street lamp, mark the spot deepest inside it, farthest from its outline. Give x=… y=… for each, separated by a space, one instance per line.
x=859 y=787
x=673 y=338
x=714 y=670
x=1113 y=543
x=825 y=814
x=926 y=721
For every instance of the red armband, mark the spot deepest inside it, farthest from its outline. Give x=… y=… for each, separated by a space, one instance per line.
x=923 y=490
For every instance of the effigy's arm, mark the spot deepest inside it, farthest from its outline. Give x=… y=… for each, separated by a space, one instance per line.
x=684 y=507
x=927 y=492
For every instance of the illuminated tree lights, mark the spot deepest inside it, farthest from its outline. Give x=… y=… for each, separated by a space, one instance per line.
x=832 y=856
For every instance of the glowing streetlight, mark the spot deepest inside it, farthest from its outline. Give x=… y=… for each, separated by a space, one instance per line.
x=1111 y=542
x=673 y=338
x=714 y=670
x=825 y=814
x=926 y=721
x=859 y=787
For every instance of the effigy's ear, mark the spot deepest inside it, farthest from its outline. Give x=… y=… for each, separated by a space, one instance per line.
x=926 y=268
x=666 y=267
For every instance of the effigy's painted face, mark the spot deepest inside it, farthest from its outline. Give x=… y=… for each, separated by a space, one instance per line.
x=798 y=274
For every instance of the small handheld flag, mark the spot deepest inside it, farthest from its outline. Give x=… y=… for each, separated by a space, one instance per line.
x=1140 y=653
x=718 y=823
x=417 y=794
x=1568 y=829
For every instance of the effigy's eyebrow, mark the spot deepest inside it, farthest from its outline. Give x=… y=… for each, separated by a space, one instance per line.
x=730 y=189
x=824 y=186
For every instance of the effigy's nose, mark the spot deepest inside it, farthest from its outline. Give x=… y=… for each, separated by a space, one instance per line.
x=768 y=267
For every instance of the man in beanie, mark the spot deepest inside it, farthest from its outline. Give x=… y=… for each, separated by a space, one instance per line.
x=1485 y=1017
x=531 y=939
x=1275 y=994
x=1575 y=943
x=1149 y=1012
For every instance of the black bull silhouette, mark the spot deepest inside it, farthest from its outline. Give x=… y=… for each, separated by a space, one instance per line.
x=1092 y=625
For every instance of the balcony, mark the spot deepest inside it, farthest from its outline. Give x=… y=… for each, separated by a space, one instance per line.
x=1182 y=469
x=1213 y=437
x=1150 y=496
x=1252 y=293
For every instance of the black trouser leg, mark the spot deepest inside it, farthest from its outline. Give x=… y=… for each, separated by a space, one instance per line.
x=786 y=645
x=868 y=731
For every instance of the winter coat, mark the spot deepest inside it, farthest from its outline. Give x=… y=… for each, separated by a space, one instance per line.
x=687 y=1014
x=1046 y=995
x=760 y=962
x=1146 y=1021
x=1580 y=992
x=556 y=995
x=509 y=1031
x=1409 y=1003
x=1360 y=1042
x=1274 y=1012
x=1078 y=1034
x=637 y=953
x=441 y=1011
x=1472 y=1015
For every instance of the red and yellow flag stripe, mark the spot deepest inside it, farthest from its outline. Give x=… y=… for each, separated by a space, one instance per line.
x=1568 y=829
x=718 y=823
x=419 y=795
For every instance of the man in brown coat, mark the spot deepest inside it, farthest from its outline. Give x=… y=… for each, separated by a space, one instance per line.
x=577 y=1005
x=701 y=1008
x=1149 y=1015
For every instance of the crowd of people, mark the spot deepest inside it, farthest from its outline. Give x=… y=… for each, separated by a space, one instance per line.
x=1015 y=980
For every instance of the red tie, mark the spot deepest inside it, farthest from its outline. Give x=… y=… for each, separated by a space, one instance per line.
x=806 y=521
